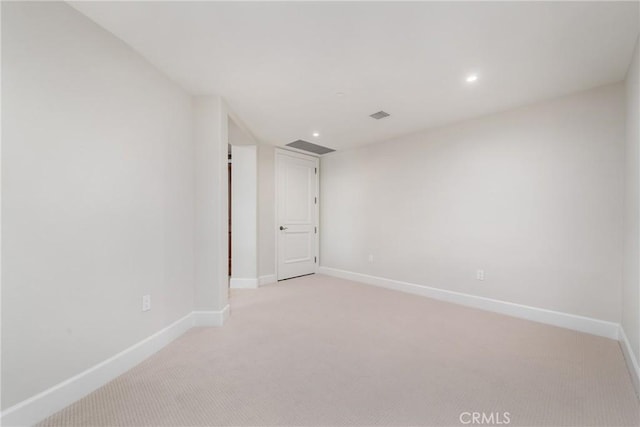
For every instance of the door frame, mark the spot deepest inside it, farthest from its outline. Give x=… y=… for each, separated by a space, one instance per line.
x=299 y=155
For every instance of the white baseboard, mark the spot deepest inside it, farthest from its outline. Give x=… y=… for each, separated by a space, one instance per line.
x=243 y=283
x=631 y=359
x=40 y=406
x=564 y=320
x=267 y=279
x=210 y=318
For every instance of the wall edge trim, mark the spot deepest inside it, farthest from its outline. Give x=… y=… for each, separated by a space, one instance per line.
x=574 y=322
x=46 y=403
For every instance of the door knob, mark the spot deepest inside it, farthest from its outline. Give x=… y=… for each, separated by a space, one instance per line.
x=283 y=228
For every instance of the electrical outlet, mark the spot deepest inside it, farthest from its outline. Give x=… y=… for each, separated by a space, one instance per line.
x=370 y=258
x=146 y=302
x=480 y=275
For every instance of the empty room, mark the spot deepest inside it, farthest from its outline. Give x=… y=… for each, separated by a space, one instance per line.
x=325 y=213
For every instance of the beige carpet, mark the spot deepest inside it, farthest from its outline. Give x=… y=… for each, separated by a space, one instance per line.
x=324 y=351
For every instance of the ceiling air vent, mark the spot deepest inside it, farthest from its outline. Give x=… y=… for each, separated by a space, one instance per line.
x=380 y=115
x=310 y=147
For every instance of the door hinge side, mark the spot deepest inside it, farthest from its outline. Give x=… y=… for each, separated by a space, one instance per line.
x=315 y=230
x=315 y=200
x=315 y=170
x=315 y=259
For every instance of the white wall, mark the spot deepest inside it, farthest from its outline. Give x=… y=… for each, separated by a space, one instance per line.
x=244 y=216
x=98 y=197
x=266 y=209
x=534 y=196
x=211 y=203
x=631 y=284
x=238 y=133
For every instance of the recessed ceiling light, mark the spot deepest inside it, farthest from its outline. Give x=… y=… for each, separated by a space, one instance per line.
x=471 y=78
x=316 y=134
x=340 y=94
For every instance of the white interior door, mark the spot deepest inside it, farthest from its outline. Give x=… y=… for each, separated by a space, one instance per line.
x=297 y=213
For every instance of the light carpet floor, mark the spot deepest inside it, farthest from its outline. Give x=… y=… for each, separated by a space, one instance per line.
x=323 y=351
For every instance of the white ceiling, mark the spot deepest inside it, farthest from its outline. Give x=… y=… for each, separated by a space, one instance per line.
x=280 y=65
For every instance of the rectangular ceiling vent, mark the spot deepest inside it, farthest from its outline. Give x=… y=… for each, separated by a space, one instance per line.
x=310 y=147
x=380 y=115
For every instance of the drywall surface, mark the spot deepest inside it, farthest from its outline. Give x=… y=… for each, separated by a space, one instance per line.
x=631 y=284
x=244 y=212
x=266 y=209
x=211 y=203
x=98 y=197
x=532 y=196
x=238 y=135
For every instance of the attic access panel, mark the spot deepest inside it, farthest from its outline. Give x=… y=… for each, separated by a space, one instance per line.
x=310 y=147
x=379 y=115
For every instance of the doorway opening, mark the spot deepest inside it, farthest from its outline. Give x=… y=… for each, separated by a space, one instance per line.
x=229 y=166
